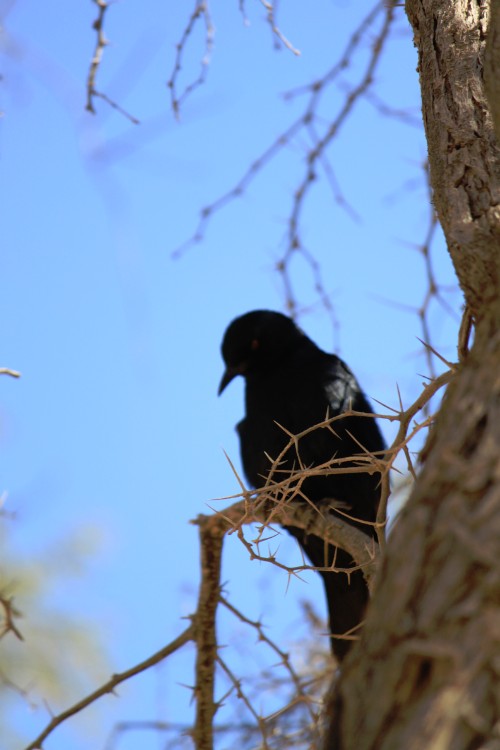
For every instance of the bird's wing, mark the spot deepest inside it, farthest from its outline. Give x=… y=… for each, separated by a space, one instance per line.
x=341 y=387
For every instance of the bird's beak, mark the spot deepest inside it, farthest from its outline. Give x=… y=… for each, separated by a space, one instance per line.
x=230 y=374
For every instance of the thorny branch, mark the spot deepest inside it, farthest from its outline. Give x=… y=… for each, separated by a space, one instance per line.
x=178 y=729
x=331 y=528
x=202 y=632
x=304 y=695
x=403 y=437
x=320 y=137
x=241 y=694
x=206 y=639
x=267 y=725
x=433 y=290
x=110 y=686
x=270 y=505
x=282 y=655
x=281 y=500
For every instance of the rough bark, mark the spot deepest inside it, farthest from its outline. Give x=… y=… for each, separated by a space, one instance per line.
x=426 y=672
x=206 y=638
x=492 y=67
x=463 y=152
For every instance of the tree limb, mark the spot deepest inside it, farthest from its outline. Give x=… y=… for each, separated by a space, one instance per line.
x=425 y=672
x=206 y=640
x=492 y=66
x=332 y=529
x=463 y=151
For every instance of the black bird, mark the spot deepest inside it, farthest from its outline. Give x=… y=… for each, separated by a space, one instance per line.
x=293 y=383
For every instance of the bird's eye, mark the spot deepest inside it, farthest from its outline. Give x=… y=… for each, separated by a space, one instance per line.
x=255 y=344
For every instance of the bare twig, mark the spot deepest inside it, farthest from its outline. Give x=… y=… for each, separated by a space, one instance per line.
x=434 y=292
x=271 y=19
x=12 y=373
x=116 y=106
x=408 y=117
x=201 y=10
x=111 y=684
x=9 y=615
x=320 y=145
x=320 y=137
x=207 y=212
x=101 y=43
x=401 y=440
x=284 y=657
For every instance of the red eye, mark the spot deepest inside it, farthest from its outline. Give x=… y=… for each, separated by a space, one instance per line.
x=255 y=344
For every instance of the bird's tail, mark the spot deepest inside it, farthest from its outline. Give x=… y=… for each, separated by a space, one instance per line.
x=346 y=593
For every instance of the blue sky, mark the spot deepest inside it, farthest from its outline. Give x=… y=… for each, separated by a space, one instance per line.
x=115 y=426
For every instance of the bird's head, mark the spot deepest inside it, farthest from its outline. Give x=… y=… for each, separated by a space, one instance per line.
x=255 y=341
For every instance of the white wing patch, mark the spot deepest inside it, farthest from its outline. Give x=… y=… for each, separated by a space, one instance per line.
x=341 y=388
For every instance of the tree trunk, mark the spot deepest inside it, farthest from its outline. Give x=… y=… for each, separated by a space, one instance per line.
x=426 y=672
